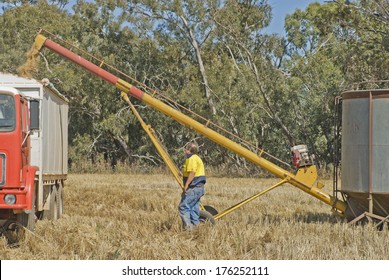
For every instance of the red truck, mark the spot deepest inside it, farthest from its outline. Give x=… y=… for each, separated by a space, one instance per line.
x=33 y=150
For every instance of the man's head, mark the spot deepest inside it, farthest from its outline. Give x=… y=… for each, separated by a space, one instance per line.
x=192 y=148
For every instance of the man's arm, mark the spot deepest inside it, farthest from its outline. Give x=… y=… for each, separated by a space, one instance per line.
x=189 y=180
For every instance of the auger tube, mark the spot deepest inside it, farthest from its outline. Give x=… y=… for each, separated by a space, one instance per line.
x=133 y=91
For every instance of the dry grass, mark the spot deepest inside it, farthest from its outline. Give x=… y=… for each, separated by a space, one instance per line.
x=135 y=217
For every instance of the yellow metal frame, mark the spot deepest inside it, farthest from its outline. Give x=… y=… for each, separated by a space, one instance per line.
x=240 y=204
x=175 y=171
x=306 y=175
x=153 y=137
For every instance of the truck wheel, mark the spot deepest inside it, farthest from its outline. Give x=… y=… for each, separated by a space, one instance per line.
x=13 y=232
x=27 y=220
x=52 y=213
x=60 y=200
x=206 y=217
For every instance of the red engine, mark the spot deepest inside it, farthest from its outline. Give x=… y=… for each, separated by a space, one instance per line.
x=300 y=156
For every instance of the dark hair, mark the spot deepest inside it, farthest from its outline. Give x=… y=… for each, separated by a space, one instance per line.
x=192 y=147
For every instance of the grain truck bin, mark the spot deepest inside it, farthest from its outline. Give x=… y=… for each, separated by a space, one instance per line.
x=365 y=152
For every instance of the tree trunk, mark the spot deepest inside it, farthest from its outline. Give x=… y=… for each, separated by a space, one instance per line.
x=124 y=145
x=201 y=67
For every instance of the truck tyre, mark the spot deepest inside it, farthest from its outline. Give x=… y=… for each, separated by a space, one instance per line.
x=13 y=232
x=27 y=220
x=206 y=217
x=52 y=213
x=60 y=200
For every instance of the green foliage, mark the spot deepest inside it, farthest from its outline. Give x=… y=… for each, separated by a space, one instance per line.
x=213 y=58
x=332 y=48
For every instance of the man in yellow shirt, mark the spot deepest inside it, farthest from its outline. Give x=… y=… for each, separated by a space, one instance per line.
x=194 y=181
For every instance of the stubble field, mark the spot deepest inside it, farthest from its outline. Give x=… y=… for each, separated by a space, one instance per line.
x=132 y=216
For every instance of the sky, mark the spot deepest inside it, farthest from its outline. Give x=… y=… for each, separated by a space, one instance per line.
x=280 y=8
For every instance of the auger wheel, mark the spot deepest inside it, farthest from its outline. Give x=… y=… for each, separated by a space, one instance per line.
x=211 y=210
x=207 y=214
x=13 y=232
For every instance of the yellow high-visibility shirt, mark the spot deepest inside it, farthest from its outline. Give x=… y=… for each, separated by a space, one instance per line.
x=193 y=163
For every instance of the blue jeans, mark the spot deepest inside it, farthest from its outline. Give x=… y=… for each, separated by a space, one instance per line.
x=189 y=207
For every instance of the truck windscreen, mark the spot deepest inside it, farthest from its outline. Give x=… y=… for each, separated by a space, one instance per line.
x=7 y=113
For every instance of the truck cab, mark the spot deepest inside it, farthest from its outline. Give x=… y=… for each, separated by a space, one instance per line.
x=17 y=176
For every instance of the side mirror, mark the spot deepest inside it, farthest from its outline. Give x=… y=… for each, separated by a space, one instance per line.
x=34 y=114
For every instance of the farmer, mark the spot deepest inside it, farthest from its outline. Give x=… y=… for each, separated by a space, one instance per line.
x=194 y=180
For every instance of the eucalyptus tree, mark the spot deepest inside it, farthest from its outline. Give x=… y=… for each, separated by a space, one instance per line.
x=186 y=24
x=258 y=59
x=102 y=32
x=333 y=47
x=19 y=22
x=98 y=125
x=211 y=56
x=216 y=48
x=367 y=23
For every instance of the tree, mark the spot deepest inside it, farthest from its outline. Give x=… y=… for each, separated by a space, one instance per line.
x=186 y=23
x=210 y=56
x=333 y=48
x=240 y=24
